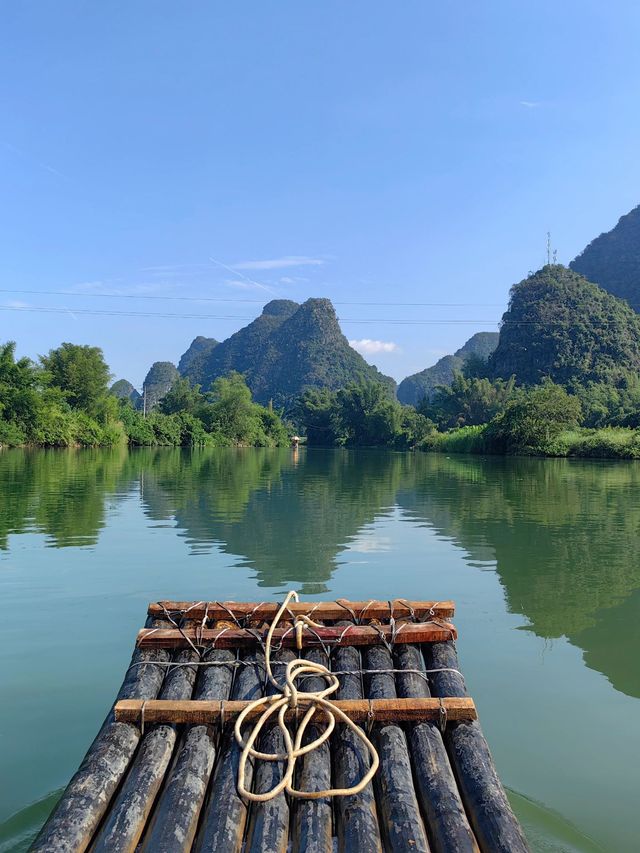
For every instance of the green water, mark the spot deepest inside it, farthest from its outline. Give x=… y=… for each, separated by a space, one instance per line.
x=541 y=557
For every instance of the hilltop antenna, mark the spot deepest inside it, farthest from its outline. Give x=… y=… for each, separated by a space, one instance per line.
x=555 y=256
x=548 y=248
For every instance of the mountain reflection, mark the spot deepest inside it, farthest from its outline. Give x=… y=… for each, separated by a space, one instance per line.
x=289 y=517
x=563 y=535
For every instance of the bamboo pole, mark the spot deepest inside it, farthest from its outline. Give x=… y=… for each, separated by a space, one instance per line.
x=400 y=817
x=201 y=712
x=269 y=821
x=175 y=818
x=312 y=819
x=264 y=611
x=224 y=816
x=126 y=820
x=445 y=819
x=356 y=815
x=494 y=824
x=352 y=635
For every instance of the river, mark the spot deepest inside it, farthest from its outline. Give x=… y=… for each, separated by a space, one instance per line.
x=541 y=557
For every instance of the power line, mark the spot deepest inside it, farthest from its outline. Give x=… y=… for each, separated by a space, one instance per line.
x=248 y=301
x=172 y=316
x=103 y=312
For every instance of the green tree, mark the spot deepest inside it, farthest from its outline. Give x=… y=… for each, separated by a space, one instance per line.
x=232 y=417
x=533 y=418
x=182 y=397
x=610 y=404
x=19 y=397
x=467 y=401
x=81 y=373
x=367 y=415
x=315 y=412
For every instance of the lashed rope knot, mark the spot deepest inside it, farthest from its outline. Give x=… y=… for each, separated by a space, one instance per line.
x=288 y=697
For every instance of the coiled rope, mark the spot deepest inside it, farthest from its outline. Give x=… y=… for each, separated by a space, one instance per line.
x=287 y=698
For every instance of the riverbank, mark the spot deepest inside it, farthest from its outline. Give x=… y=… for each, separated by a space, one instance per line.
x=606 y=443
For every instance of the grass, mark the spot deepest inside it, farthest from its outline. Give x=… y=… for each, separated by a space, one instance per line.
x=606 y=443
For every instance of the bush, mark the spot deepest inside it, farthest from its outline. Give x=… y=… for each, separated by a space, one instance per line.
x=192 y=431
x=533 y=419
x=167 y=429
x=11 y=434
x=55 y=428
x=470 y=439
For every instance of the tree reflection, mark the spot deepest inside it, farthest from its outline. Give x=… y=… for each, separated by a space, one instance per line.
x=564 y=538
x=563 y=535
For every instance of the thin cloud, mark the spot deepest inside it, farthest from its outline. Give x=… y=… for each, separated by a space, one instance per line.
x=41 y=163
x=15 y=303
x=248 y=282
x=531 y=105
x=366 y=346
x=279 y=263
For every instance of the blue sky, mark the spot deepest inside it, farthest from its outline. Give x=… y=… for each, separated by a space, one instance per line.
x=366 y=151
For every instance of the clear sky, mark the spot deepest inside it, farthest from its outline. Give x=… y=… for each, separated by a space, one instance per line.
x=411 y=152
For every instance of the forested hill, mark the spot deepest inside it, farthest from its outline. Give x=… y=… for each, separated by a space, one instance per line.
x=193 y=359
x=560 y=325
x=415 y=388
x=612 y=260
x=288 y=348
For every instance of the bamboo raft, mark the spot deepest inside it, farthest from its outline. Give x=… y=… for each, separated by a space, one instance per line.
x=161 y=774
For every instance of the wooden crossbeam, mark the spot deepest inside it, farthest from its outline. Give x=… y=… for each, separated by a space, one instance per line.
x=199 y=712
x=321 y=610
x=353 y=635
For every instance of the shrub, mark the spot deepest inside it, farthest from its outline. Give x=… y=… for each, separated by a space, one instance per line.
x=11 y=434
x=470 y=439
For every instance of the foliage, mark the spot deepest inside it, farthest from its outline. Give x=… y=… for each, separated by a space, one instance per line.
x=467 y=402
x=476 y=367
x=612 y=260
x=608 y=403
x=192 y=361
x=225 y=416
x=45 y=405
x=533 y=418
x=19 y=400
x=81 y=373
x=607 y=443
x=182 y=397
x=234 y=417
x=475 y=352
x=559 y=325
x=315 y=412
x=367 y=416
x=284 y=351
x=468 y=439
x=359 y=415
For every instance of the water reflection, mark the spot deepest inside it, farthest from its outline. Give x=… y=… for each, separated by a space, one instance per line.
x=563 y=536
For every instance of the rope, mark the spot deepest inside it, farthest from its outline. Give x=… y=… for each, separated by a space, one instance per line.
x=288 y=697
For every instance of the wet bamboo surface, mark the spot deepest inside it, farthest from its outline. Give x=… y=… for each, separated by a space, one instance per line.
x=172 y=787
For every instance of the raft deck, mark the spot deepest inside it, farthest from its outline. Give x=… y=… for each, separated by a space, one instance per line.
x=161 y=774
